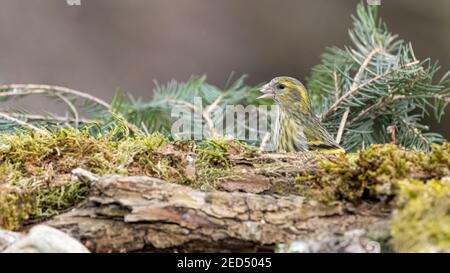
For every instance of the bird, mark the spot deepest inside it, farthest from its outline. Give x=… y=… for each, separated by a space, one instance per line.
x=297 y=128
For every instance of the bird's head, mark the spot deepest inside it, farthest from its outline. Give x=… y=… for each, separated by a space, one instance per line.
x=287 y=92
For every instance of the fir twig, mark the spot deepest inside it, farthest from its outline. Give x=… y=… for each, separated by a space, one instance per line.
x=16 y=90
x=29 y=89
x=22 y=123
x=50 y=119
x=356 y=81
x=355 y=89
x=204 y=114
x=376 y=91
x=71 y=107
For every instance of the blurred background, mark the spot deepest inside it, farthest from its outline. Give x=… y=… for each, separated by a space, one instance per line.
x=104 y=45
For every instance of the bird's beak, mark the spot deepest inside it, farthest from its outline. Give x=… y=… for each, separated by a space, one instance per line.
x=267 y=91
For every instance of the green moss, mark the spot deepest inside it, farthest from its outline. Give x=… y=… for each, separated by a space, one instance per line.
x=48 y=201
x=213 y=160
x=335 y=178
x=422 y=221
x=414 y=183
x=213 y=152
x=373 y=173
x=13 y=208
x=438 y=161
x=35 y=176
x=35 y=169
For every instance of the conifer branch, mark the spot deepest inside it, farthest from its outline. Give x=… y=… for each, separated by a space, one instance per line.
x=16 y=90
x=22 y=123
x=360 y=86
x=50 y=119
x=337 y=89
x=356 y=81
x=29 y=89
x=204 y=114
x=377 y=72
x=71 y=107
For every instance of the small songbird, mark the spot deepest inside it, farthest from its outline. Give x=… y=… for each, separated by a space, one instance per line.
x=297 y=128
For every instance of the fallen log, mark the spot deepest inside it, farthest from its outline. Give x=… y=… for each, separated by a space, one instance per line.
x=136 y=214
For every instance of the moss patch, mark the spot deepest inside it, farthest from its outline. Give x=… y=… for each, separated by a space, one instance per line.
x=414 y=183
x=35 y=179
x=372 y=173
x=35 y=176
x=422 y=221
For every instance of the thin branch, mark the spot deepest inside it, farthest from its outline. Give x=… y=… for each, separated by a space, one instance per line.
x=214 y=105
x=445 y=98
x=208 y=111
x=391 y=129
x=364 y=65
x=265 y=140
x=144 y=127
x=342 y=126
x=71 y=107
x=356 y=80
x=337 y=91
x=358 y=87
x=379 y=104
x=185 y=103
x=204 y=114
x=49 y=118
x=353 y=90
x=22 y=123
x=31 y=89
x=415 y=131
x=28 y=89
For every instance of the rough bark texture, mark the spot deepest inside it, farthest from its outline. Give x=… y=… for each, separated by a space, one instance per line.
x=129 y=214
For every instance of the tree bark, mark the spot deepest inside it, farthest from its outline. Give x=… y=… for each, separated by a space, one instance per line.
x=136 y=214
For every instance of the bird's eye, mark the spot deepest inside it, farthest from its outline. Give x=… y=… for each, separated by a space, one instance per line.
x=281 y=86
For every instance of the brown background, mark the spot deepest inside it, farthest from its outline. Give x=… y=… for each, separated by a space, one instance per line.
x=108 y=44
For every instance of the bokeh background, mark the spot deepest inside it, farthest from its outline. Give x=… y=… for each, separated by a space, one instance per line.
x=104 y=45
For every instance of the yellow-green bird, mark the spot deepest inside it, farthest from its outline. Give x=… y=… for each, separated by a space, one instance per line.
x=297 y=128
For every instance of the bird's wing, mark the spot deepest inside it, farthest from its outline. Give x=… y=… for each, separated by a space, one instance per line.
x=318 y=139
